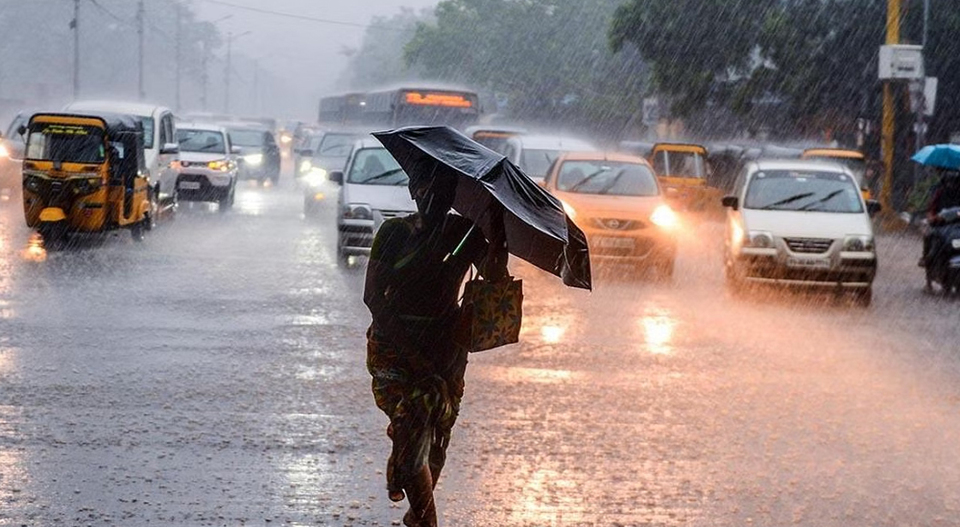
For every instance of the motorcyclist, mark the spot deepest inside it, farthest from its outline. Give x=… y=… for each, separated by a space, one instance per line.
x=945 y=195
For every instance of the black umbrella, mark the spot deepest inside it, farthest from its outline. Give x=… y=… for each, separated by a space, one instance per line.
x=537 y=228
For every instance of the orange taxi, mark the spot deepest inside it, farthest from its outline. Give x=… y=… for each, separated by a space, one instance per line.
x=618 y=203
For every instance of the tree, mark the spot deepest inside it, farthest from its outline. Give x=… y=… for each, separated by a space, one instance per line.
x=546 y=60
x=379 y=60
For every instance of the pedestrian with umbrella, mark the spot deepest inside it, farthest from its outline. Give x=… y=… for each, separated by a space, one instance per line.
x=945 y=158
x=420 y=336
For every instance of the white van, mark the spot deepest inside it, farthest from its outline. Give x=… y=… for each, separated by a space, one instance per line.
x=159 y=141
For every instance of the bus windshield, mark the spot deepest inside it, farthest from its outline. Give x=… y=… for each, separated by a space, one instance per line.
x=65 y=142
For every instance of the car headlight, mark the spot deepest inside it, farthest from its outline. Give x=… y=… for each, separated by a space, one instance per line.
x=357 y=211
x=4 y=152
x=759 y=240
x=223 y=165
x=32 y=183
x=858 y=244
x=305 y=166
x=663 y=216
x=253 y=159
x=315 y=177
x=568 y=208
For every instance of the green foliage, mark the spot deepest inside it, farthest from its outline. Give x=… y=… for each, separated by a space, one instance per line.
x=547 y=59
x=379 y=60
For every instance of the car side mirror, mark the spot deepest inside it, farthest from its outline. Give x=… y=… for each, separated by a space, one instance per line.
x=305 y=152
x=336 y=176
x=731 y=202
x=873 y=207
x=236 y=150
x=170 y=148
x=22 y=130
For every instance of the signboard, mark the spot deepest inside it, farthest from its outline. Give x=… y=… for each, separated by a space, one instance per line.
x=651 y=111
x=901 y=62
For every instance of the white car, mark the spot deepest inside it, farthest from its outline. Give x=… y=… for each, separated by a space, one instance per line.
x=373 y=188
x=207 y=169
x=797 y=222
x=159 y=141
x=534 y=154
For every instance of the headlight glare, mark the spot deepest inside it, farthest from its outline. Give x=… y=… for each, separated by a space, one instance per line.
x=253 y=159
x=305 y=166
x=663 y=216
x=315 y=177
x=223 y=165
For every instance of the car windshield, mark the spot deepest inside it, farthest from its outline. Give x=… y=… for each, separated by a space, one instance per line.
x=246 y=137
x=679 y=164
x=535 y=162
x=856 y=165
x=209 y=141
x=607 y=177
x=803 y=190
x=337 y=145
x=375 y=166
x=65 y=142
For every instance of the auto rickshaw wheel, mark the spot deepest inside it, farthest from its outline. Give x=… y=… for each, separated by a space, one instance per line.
x=137 y=229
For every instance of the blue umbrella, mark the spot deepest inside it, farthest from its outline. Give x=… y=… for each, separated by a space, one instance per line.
x=942 y=156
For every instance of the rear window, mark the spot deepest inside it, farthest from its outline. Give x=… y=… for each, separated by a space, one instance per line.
x=607 y=177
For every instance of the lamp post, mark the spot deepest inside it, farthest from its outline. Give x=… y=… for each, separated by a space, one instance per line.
x=887 y=124
x=203 y=66
x=227 y=74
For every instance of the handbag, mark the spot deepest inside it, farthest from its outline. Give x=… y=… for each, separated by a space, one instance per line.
x=491 y=311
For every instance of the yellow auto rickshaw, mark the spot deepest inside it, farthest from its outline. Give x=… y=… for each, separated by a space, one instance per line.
x=852 y=159
x=682 y=171
x=85 y=174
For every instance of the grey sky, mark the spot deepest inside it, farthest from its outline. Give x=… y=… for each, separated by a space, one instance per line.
x=305 y=57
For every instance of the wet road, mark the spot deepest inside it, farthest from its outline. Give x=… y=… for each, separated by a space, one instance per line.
x=214 y=375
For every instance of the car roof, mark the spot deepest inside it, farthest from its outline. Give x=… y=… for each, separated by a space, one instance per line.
x=246 y=125
x=130 y=108
x=841 y=153
x=214 y=127
x=552 y=142
x=594 y=155
x=800 y=164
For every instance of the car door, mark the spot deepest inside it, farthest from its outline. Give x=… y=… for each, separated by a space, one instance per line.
x=166 y=134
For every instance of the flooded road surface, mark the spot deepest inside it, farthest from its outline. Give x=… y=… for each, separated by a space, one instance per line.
x=214 y=375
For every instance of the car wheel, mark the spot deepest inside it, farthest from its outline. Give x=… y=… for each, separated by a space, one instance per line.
x=863 y=297
x=664 y=269
x=343 y=259
x=136 y=230
x=226 y=202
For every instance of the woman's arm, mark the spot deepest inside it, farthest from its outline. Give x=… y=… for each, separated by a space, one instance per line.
x=493 y=265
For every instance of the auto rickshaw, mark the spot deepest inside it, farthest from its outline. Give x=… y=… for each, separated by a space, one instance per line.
x=682 y=170
x=852 y=159
x=85 y=174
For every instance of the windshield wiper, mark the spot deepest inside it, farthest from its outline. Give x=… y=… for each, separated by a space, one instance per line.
x=824 y=199
x=587 y=179
x=616 y=179
x=382 y=175
x=791 y=199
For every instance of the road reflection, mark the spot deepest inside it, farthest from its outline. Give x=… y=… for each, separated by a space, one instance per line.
x=34 y=251
x=658 y=325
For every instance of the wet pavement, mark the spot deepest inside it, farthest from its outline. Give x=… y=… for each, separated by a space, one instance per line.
x=214 y=375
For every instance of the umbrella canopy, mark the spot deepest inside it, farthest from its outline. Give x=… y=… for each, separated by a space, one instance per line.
x=942 y=156
x=537 y=228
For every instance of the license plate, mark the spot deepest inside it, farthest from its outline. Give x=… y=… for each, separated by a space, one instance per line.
x=808 y=263
x=190 y=185
x=615 y=243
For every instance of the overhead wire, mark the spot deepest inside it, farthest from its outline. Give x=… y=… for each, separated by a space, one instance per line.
x=301 y=17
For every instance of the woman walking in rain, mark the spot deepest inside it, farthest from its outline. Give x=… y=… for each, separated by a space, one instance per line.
x=417 y=362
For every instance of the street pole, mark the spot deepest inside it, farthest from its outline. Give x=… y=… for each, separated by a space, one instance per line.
x=142 y=92
x=76 y=48
x=887 y=125
x=226 y=76
x=178 y=53
x=203 y=74
x=256 y=85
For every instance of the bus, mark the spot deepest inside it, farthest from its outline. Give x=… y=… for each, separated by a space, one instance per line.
x=404 y=106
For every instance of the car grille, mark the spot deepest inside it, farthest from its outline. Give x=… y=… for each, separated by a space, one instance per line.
x=615 y=224
x=809 y=245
